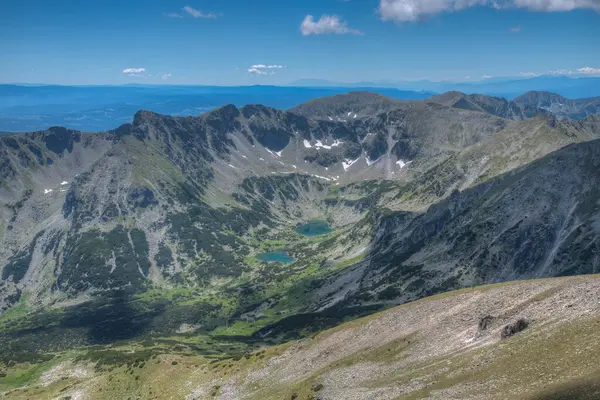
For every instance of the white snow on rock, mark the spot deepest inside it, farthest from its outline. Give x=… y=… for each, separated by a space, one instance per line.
x=294 y=167
x=261 y=159
x=349 y=113
x=355 y=115
x=244 y=156
x=46 y=191
x=274 y=153
x=321 y=177
x=307 y=144
x=348 y=163
x=331 y=119
x=402 y=163
x=63 y=183
x=326 y=146
x=232 y=166
x=369 y=162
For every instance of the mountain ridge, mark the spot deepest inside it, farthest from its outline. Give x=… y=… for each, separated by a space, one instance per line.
x=167 y=205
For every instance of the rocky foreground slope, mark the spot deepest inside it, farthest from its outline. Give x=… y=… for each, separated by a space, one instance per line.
x=521 y=340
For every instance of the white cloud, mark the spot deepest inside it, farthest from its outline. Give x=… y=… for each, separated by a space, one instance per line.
x=134 y=70
x=263 y=66
x=165 y=76
x=174 y=15
x=487 y=77
x=264 y=69
x=529 y=74
x=257 y=71
x=560 y=72
x=419 y=10
x=556 y=5
x=515 y=29
x=589 y=71
x=327 y=24
x=468 y=77
x=199 y=14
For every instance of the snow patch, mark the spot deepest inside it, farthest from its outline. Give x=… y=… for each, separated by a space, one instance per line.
x=307 y=144
x=294 y=167
x=369 y=162
x=46 y=191
x=232 y=166
x=63 y=183
x=326 y=146
x=402 y=163
x=321 y=177
x=261 y=159
x=355 y=116
x=348 y=163
x=331 y=119
x=244 y=156
x=274 y=153
x=349 y=113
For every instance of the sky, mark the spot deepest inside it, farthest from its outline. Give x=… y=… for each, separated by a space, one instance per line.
x=240 y=42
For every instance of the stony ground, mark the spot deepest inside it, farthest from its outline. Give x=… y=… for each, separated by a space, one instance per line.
x=443 y=347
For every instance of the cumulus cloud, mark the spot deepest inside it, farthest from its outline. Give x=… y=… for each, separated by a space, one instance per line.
x=134 y=70
x=515 y=29
x=264 y=69
x=419 y=10
x=529 y=74
x=263 y=66
x=589 y=71
x=199 y=14
x=556 y=5
x=165 y=76
x=257 y=71
x=487 y=77
x=560 y=72
x=174 y=15
x=327 y=24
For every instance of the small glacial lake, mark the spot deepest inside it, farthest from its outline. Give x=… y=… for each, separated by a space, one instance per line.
x=276 y=256
x=314 y=228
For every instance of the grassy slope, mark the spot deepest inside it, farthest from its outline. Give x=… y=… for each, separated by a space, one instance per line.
x=431 y=348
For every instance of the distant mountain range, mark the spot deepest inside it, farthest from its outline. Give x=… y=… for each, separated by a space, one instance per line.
x=511 y=87
x=98 y=108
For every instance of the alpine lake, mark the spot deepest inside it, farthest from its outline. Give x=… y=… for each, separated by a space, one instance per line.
x=309 y=229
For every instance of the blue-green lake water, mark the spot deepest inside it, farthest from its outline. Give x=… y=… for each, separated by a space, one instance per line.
x=314 y=228
x=276 y=256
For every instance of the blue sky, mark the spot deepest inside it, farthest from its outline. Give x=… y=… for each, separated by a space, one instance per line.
x=219 y=42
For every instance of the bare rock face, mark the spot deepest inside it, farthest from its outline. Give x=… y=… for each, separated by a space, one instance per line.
x=512 y=329
x=485 y=322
